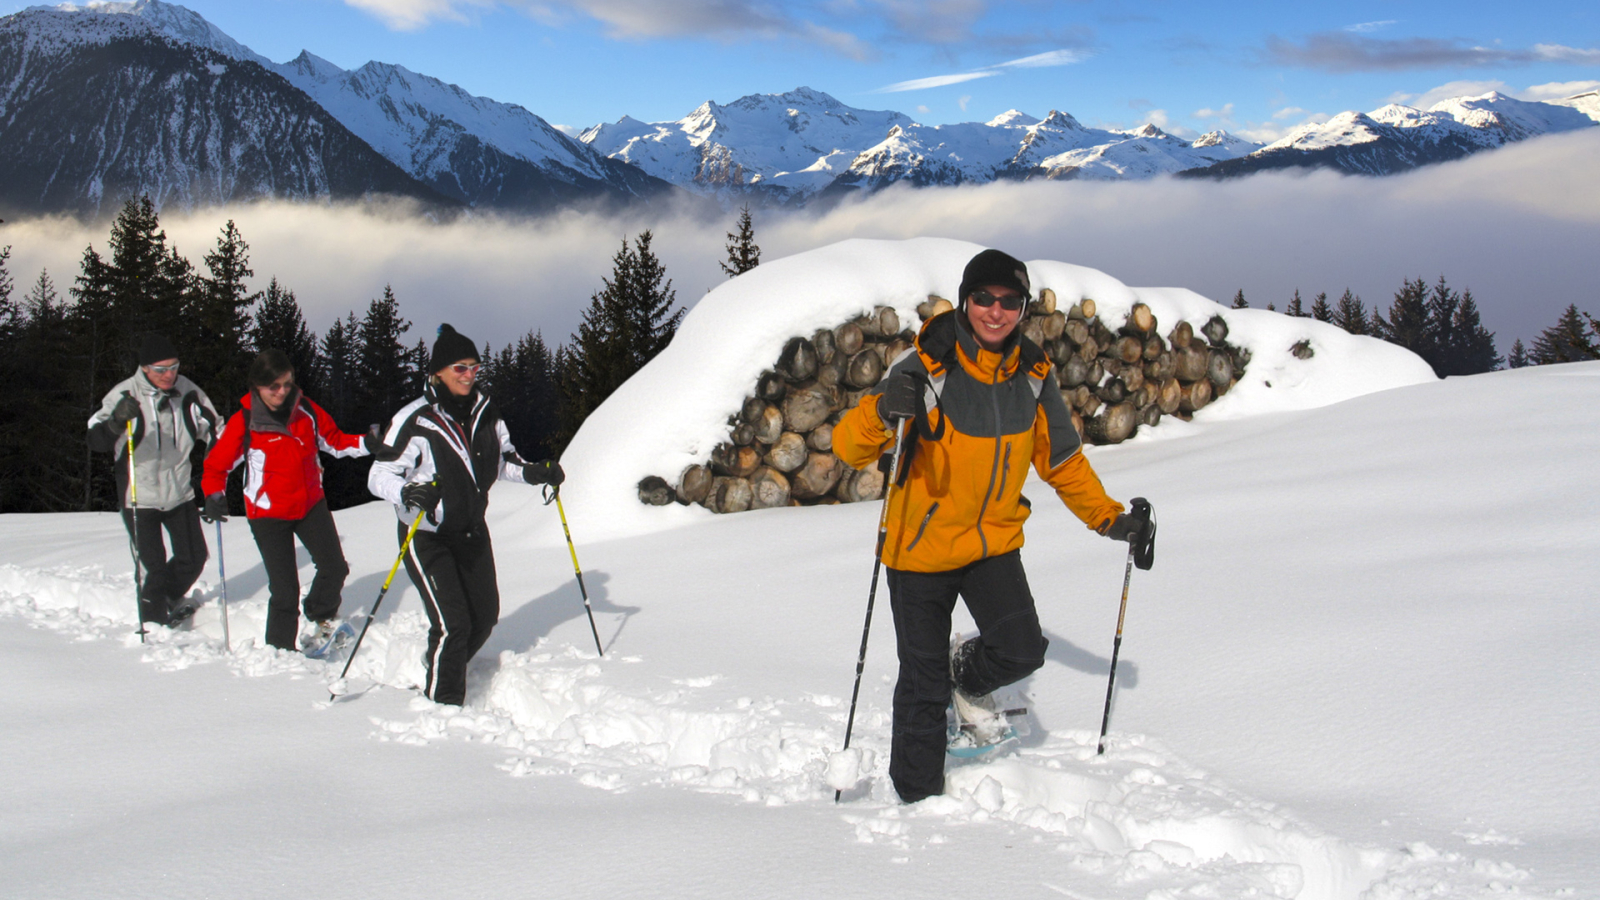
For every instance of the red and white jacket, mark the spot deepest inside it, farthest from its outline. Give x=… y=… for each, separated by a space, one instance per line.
x=283 y=476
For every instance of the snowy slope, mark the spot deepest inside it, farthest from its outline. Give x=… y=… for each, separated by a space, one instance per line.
x=1361 y=668
x=738 y=329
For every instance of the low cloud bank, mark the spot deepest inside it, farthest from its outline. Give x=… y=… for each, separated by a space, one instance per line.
x=1517 y=226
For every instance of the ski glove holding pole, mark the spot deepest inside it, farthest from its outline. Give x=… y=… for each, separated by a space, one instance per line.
x=1138 y=528
x=1141 y=552
x=126 y=410
x=899 y=399
x=422 y=496
x=546 y=471
x=215 y=508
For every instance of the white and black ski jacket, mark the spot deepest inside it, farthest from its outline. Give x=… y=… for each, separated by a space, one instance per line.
x=466 y=458
x=170 y=424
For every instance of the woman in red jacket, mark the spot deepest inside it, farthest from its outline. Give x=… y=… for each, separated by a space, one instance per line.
x=277 y=434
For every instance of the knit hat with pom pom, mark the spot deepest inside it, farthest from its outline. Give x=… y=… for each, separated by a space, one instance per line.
x=451 y=347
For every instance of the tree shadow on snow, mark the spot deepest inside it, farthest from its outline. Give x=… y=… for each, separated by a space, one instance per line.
x=538 y=618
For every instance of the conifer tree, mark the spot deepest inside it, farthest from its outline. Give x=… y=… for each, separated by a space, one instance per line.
x=1408 y=323
x=1470 y=348
x=1350 y=314
x=1519 y=356
x=341 y=379
x=49 y=414
x=521 y=380
x=386 y=366
x=743 y=254
x=1239 y=302
x=1564 y=341
x=1320 y=310
x=279 y=324
x=217 y=337
x=626 y=325
x=1293 y=309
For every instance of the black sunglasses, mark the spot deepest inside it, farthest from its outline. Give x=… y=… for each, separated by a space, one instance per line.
x=1009 y=303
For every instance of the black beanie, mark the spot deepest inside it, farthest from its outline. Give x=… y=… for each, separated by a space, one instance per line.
x=451 y=347
x=154 y=348
x=997 y=268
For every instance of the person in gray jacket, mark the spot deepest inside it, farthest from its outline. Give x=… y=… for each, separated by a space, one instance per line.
x=170 y=416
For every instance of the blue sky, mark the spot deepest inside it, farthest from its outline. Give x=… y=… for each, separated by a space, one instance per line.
x=1256 y=69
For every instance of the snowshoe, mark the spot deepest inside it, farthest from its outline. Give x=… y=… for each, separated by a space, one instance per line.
x=327 y=638
x=181 y=612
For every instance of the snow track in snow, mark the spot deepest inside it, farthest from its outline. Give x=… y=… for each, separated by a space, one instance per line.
x=1139 y=820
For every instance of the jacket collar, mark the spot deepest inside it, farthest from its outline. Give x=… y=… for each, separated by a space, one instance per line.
x=262 y=419
x=946 y=339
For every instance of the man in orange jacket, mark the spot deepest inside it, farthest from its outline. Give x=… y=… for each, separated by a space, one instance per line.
x=955 y=524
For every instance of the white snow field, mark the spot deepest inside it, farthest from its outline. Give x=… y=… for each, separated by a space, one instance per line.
x=1364 y=665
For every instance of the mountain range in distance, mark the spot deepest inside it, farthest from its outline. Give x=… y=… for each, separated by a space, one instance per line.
x=104 y=103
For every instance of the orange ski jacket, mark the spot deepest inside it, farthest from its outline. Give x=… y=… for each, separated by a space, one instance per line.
x=962 y=498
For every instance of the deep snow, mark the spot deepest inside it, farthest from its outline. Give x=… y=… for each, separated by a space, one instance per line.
x=1362 y=666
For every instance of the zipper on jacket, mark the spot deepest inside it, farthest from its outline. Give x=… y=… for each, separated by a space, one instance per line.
x=999 y=438
x=1005 y=469
x=923 y=526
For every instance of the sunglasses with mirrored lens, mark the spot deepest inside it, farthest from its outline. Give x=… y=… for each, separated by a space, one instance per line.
x=1010 y=303
x=464 y=369
x=163 y=370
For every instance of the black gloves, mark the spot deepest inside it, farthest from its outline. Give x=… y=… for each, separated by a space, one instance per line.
x=373 y=442
x=544 y=472
x=899 y=398
x=1138 y=528
x=422 y=496
x=215 y=508
x=1125 y=528
x=126 y=409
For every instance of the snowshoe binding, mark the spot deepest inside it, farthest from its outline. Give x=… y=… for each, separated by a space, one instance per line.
x=325 y=638
x=978 y=724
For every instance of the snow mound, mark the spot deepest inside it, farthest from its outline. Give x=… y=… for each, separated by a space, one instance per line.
x=675 y=410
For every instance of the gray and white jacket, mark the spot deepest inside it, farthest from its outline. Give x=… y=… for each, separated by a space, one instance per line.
x=170 y=424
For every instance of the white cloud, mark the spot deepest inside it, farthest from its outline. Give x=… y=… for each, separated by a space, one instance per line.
x=1223 y=115
x=1369 y=26
x=1516 y=225
x=1556 y=90
x=412 y=15
x=1037 y=61
x=1558 y=53
x=965 y=99
x=1288 y=112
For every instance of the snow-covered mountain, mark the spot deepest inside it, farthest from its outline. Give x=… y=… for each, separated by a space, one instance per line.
x=97 y=109
x=451 y=144
x=1395 y=138
x=793 y=146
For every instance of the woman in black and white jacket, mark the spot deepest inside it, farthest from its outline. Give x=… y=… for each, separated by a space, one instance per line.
x=453 y=447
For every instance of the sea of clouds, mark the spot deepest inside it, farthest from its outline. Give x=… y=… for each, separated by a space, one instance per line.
x=1517 y=226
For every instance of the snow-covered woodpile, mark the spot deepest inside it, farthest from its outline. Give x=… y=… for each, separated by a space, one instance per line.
x=779 y=450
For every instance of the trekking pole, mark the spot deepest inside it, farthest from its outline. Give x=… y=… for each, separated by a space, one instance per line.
x=133 y=539
x=872 y=594
x=555 y=494
x=372 y=615
x=222 y=569
x=1142 y=512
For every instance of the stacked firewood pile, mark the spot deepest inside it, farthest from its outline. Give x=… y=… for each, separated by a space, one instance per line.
x=779 y=450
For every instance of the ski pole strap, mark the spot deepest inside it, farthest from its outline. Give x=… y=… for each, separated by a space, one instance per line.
x=1143 y=546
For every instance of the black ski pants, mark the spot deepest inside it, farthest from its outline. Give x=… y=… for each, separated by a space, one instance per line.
x=1008 y=648
x=455 y=575
x=275 y=538
x=166 y=579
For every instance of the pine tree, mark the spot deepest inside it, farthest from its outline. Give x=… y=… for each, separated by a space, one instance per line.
x=1320 y=310
x=280 y=325
x=521 y=380
x=1519 y=356
x=217 y=355
x=340 y=375
x=1293 y=309
x=1470 y=347
x=1564 y=341
x=626 y=325
x=743 y=254
x=385 y=364
x=1408 y=324
x=49 y=412
x=1239 y=302
x=1350 y=314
